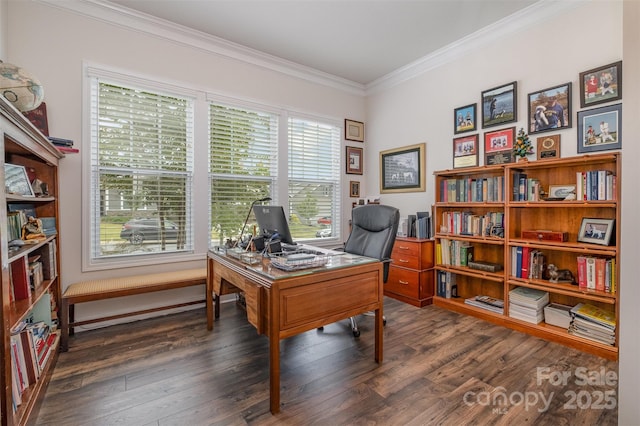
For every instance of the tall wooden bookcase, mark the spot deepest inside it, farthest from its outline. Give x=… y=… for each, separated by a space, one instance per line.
x=456 y=203
x=24 y=145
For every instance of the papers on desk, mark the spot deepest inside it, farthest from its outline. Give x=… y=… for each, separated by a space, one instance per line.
x=320 y=250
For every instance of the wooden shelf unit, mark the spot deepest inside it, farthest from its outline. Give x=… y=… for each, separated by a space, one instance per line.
x=564 y=216
x=24 y=145
x=411 y=271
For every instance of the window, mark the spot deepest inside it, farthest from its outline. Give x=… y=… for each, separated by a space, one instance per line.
x=141 y=171
x=243 y=164
x=251 y=160
x=314 y=178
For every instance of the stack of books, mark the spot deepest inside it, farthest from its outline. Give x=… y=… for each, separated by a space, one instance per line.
x=64 y=145
x=486 y=302
x=593 y=323
x=527 y=304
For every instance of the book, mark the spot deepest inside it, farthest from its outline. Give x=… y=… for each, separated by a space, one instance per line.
x=600 y=269
x=594 y=314
x=582 y=272
x=591 y=273
x=484 y=266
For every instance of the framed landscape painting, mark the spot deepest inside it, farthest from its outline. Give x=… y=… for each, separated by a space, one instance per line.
x=499 y=105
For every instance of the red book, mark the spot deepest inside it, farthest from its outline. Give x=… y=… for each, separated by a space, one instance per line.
x=524 y=273
x=582 y=272
x=600 y=266
x=20 y=279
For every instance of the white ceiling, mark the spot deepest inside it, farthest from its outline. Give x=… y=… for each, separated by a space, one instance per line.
x=357 y=40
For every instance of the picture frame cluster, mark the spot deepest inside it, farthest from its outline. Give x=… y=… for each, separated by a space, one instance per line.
x=548 y=110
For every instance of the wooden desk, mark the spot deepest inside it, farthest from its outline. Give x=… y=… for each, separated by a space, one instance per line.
x=282 y=304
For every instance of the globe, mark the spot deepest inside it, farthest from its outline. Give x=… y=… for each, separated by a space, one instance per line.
x=20 y=88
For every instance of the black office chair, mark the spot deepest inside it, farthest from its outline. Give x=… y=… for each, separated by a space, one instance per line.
x=373 y=232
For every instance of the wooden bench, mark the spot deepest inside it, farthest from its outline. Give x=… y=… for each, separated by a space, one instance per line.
x=90 y=291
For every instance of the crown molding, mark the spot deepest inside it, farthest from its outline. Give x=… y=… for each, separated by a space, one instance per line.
x=139 y=22
x=519 y=21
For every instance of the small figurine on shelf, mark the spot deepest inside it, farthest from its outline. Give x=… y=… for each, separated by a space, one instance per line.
x=523 y=146
x=32 y=230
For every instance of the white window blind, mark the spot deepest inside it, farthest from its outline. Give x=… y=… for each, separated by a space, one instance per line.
x=141 y=171
x=243 y=147
x=314 y=178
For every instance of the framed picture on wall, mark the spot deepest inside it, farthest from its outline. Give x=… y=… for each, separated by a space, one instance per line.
x=403 y=169
x=600 y=129
x=465 y=151
x=353 y=130
x=548 y=147
x=464 y=119
x=499 y=105
x=602 y=84
x=354 y=189
x=354 y=160
x=498 y=146
x=550 y=109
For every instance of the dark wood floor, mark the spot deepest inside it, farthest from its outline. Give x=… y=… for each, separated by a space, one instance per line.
x=439 y=368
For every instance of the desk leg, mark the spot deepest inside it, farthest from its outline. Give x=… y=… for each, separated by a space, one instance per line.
x=378 y=332
x=209 y=294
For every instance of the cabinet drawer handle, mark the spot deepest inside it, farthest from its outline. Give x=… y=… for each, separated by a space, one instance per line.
x=403 y=260
x=403 y=282
x=403 y=248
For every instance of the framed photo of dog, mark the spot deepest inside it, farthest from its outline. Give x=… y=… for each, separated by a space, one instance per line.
x=596 y=231
x=550 y=109
x=602 y=84
x=499 y=105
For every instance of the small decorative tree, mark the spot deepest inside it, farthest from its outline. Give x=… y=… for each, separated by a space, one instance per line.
x=523 y=146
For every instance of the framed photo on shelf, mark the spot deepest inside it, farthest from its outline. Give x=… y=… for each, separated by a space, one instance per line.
x=403 y=169
x=498 y=146
x=548 y=147
x=16 y=181
x=596 y=231
x=354 y=160
x=353 y=130
x=354 y=189
x=465 y=151
x=561 y=192
x=600 y=129
x=602 y=84
x=550 y=109
x=499 y=105
x=464 y=119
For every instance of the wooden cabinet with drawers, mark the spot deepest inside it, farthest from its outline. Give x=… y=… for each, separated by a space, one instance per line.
x=411 y=274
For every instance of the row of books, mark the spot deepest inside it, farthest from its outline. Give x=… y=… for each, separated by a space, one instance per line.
x=27 y=274
x=453 y=252
x=487 y=303
x=472 y=190
x=597 y=273
x=527 y=262
x=446 y=285
x=596 y=185
x=32 y=343
x=416 y=225
x=525 y=188
x=468 y=223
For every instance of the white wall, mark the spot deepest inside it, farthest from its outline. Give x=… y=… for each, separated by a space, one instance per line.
x=629 y=408
x=53 y=43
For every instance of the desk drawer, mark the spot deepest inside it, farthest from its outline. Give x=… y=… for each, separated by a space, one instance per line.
x=406 y=254
x=403 y=281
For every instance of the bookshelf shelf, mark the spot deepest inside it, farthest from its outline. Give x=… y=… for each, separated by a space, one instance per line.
x=596 y=179
x=30 y=273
